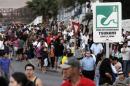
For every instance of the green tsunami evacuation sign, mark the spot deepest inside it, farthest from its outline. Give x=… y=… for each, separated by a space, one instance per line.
x=107 y=16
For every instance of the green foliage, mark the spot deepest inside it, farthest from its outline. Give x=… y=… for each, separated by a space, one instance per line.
x=72 y=3
x=43 y=7
x=68 y=3
x=50 y=7
x=82 y=1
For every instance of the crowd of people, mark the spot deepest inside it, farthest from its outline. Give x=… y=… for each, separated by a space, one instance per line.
x=54 y=46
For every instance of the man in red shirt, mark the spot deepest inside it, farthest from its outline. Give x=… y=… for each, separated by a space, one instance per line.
x=72 y=76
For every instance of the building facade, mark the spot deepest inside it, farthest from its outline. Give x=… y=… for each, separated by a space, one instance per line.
x=14 y=11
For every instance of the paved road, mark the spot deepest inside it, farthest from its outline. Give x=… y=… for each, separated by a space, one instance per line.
x=50 y=78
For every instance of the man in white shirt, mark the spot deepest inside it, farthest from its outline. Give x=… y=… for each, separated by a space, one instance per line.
x=96 y=48
x=125 y=50
x=88 y=65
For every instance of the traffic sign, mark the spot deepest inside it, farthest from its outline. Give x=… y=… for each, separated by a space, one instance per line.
x=107 y=19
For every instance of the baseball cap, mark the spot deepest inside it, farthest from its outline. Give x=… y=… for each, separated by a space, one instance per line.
x=71 y=62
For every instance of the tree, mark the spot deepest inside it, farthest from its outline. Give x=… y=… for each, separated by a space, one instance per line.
x=67 y=3
x=82 y=1
x=111 y=0
x=46 y=8
x=72 y=3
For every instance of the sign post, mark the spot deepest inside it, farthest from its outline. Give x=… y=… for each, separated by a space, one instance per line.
x=107 y=49
x=107 y=23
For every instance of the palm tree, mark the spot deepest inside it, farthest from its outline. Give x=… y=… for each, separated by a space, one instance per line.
x=72 y=3
x=45 y=8
x=67 y=3
x=82 y=1
x=111 y=0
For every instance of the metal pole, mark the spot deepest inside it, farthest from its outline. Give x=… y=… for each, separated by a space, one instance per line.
x=107 y=49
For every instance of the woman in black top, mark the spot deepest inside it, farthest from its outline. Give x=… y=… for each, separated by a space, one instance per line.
x=105 y=71
x=19 y=79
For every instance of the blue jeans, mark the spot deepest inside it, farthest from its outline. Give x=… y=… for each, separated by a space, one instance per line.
x=126 y=67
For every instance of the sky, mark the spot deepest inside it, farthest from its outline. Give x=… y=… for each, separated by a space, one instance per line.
x=12 y=3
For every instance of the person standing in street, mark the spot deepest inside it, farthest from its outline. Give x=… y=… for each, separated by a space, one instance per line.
x=29 y=71
x=19 y=79
x=125 y=50
x=96 y=48
x=88 y=64
x=72 y=76
x=105 y=71
x=5 y=66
